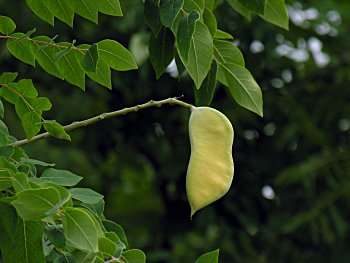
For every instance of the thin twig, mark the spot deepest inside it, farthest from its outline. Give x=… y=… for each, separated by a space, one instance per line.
x=83 y=123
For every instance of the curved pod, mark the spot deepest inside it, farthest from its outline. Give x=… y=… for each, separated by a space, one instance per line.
x=210 y=170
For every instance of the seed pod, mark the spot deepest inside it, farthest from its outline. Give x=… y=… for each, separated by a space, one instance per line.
x=210 y=170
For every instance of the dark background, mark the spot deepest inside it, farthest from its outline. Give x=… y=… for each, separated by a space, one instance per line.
x=290 y=198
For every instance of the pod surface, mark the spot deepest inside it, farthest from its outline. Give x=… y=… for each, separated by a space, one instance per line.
x=210 y=170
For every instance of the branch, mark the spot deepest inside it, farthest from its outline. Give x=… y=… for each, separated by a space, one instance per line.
x=83 y=123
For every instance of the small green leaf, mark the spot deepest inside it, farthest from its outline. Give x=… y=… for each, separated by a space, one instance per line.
x=61 y=10
x=56 y=130
x=200 y=54
x=210 y=21
x=21 y=48
x=110 y=7
x=40 y=9
x=32 y=204
x=85 y=8
x=114 y=227
x=242 y=86
x=134 y=256
x=204 y=95
x=26 y=160
x=276 y=13
x=61 y=177
x=80 y=229
x=8 y=77
x=7 y=26
x=227 y=52
x=7 y=151
x=161 y=50
x=107 y=247
x=169 y=10
x=90 y=59
x=151 y=12
x=86 y=195
x=20 y=182
x=219 y=34
x=115 y=55
x=5 y=178
x=185 y=33
x=31 y=124
x=211 y=257
x=54 y=233
x=194 y=5
x=120 y=248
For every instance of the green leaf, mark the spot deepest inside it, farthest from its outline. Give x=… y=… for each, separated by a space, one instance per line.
x=276 y=13
x=56 y=130
x=31 y=124
x=45 y=55
x=26 y=160
x=21 y=48
x=169 y=10
x=85 y=8
x=210 y=4
x=185 y=33
x=61 y=10
x=20 y=182
x=120 y=248
x=256 y=6
x=7 y=151
x=110 y=7
x=210 y=21
x=26 y=246
x=32 y=204
x=227 y=52
x=5 y=178
x=80 y=229
x=40 y=9
x=61 y=177
x=25 y=88
x=8 y=77
x=194 y=5
x=8 y=220
x=103 y=71
x=7 y=26
x=107 y=247
x=219 y=34
x=90 y=59
x=200 y=54
x=54 y=233
x=115 y=55
x=2 y=109
x=211 y=257
x=86 y=195
x=151 y=12
x=102 y=75
x=161 y=50
x=204 y=95
x=114 y=227
x=70 y=68
x=134 y=256
x=238 y=7
x=242 y=86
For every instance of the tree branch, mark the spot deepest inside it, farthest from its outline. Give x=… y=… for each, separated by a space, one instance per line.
x=83 y=123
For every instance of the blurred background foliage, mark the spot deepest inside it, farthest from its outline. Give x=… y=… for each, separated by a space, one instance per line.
x=289 y=200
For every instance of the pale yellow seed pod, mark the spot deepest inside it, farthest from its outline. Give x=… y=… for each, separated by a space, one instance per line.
x=210 y=170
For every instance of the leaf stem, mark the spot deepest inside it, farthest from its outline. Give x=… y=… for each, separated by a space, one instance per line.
x=107 y=115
